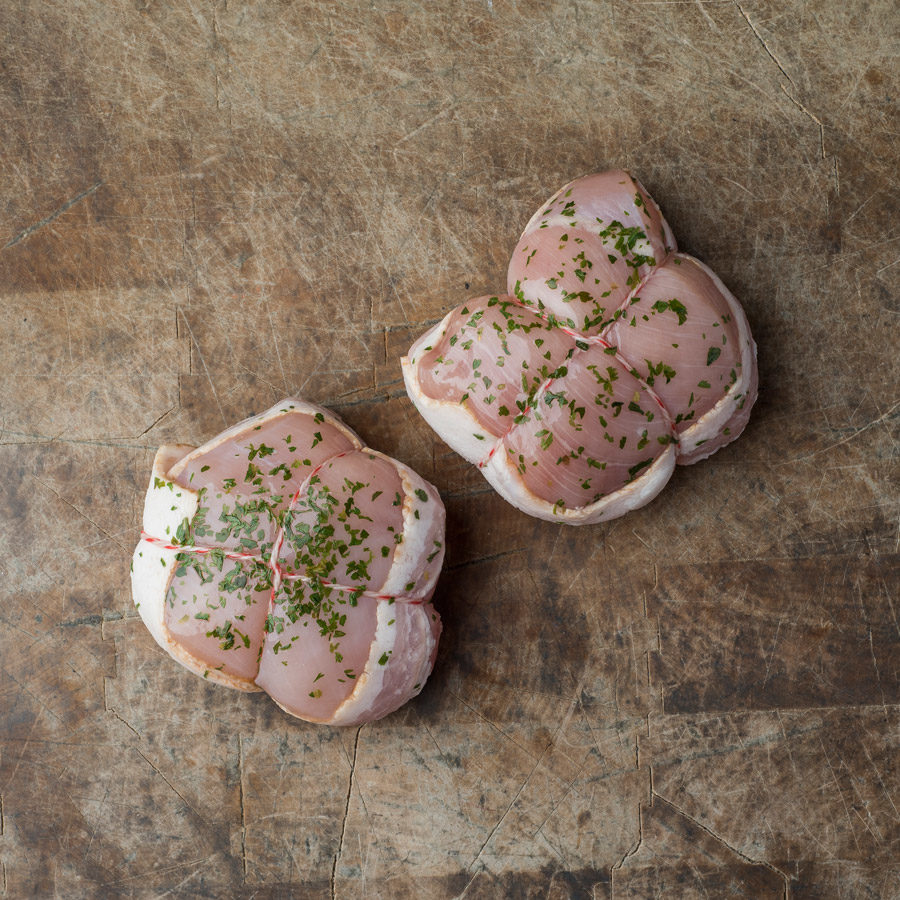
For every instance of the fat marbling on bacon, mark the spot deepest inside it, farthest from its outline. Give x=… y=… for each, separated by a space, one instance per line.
x=285 y=556
x=611 y=358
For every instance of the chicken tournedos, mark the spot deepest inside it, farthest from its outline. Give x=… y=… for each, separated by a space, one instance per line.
x=611 y=358
x=283 y=555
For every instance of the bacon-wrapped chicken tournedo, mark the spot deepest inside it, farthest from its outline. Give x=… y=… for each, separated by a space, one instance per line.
x=285 y=556
x=611 y=358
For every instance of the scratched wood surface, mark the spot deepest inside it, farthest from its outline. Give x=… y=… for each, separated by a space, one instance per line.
x=208 y=206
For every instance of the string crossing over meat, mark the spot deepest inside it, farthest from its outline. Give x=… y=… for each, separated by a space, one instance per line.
x=611 y=358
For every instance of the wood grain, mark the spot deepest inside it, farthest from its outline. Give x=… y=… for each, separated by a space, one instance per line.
x=205 y=207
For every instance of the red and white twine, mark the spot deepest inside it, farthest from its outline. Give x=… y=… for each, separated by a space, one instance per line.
x=279 y=571
x=585 y=339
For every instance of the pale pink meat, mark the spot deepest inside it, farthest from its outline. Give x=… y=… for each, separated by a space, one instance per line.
x=412 y=657
x=284 y=555
x=586 y=248
x=257 y=467
x=299 y=671
x=492 y=357
x=227 y=636
x=591 y=431
x=362 y=495
x=681 y=336
x=309 y=673
x=601 y=309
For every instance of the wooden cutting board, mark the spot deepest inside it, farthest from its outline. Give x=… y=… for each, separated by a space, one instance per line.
x=206 y=208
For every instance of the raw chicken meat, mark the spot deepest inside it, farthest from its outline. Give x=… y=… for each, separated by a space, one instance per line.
x=611 y=358
x=285 y=556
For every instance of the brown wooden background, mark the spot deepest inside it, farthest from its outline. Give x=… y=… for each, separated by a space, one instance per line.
x=205 y=208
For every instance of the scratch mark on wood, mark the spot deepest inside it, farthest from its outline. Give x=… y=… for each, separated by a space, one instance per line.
x=465 y=890
x=241 y=798
x=771 y=654
x=31 y=229
x=552 y=552
x=80 y=513
x=707 y=16
x=738 y=185
x=569 y=789
x=840 y=793
x=760 y=741
x=27 y=740
x=340 y=848
x=641 y=540
x=127 y=724
x=484 y=559
x=722 y=841
x=890 y=265
x=425 y=124
x=287 y=390
x=884 y=789
x=98 y=618
x=59 y=439
x=518 y=793
x=175 y=889
x=36 y=638
x=762 y=41
x=196 y=344
x=171 y=786
x=114 y=712
x=156 y=422
x=860 y=208
x=847 y=254
x=313 y=370
x=493 y=725
x=143 y=876
x=865 y=616
x=635 y=847
x=87 y=849
x=806 y=112
x=884 y=417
